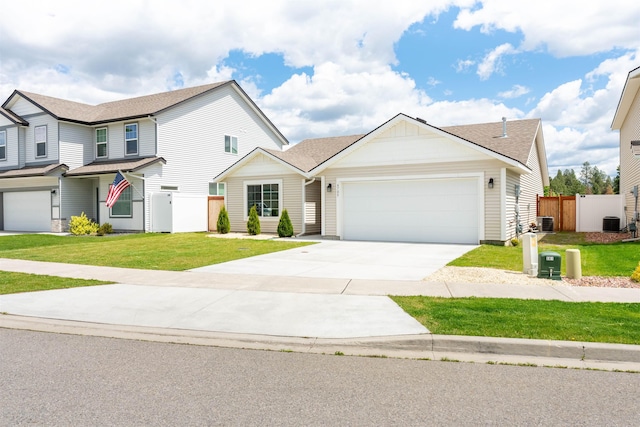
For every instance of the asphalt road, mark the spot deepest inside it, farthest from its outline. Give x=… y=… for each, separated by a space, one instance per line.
x=53 y=379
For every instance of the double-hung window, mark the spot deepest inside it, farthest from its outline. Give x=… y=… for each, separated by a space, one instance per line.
x=265 y=197
x=131 y=139
x=101 y=143
x=3 y=145
x=40 y=133
x=231 y=144
x=123 y=207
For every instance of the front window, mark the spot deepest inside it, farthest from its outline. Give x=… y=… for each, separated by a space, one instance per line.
x=3 y=145
x=266 y=199
x=231 y=144
x=131 y=138
x=123 y=207
x=41 y=141
x=101 y=142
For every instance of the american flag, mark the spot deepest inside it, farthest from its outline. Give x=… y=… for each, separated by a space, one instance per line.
x=115 y=189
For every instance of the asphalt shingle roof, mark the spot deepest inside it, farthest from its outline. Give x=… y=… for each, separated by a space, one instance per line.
x=42 y=170
x=115 y=110
x=113 y=166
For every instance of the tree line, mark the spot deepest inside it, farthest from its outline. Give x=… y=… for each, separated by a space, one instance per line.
x=591 y=180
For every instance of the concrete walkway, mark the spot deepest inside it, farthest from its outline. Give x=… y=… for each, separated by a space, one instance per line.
x=286 y=311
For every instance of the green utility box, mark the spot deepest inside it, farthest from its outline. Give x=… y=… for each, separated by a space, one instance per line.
x=549 y=265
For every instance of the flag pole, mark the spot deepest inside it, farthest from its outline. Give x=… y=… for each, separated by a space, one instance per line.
x=125 y=174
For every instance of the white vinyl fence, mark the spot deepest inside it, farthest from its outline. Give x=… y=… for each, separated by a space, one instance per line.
x=591 y=209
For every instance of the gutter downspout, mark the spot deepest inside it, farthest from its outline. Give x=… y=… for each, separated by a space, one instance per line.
x=304 y=189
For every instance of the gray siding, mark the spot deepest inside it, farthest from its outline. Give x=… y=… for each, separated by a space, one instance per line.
x=115 y=135
x=52 y=139
x=191 y=138
x=77 y=197
x=75 y=145
x=12 y=148
x=629 y=164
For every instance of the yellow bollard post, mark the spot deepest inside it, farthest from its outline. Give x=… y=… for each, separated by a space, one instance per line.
x=574 y=268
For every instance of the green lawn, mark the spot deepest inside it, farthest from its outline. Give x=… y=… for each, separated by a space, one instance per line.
x=11 y=283
x=152 y=251
x=615 y=259
x=532 y=319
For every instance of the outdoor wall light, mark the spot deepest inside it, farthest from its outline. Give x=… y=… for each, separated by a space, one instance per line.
x=53 y=191
x=329 y=188
x=490 y=182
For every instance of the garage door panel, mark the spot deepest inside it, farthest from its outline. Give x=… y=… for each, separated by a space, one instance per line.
x=428 y=210
x=27 y=211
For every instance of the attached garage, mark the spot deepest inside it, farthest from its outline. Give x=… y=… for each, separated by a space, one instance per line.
x=27 y=211
x=446 y=210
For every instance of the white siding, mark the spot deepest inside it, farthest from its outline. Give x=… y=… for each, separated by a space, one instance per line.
x=629 y=164
x=75 y=145
x=115 y=135
x=152 y=183
x=52 y=139
x=191 y=138
x=22 y=108
x=531 y=186
x=12 y=148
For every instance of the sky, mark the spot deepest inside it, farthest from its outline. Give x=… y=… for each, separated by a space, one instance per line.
x=330 y=68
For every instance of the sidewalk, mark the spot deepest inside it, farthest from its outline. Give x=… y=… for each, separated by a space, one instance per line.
x=290 y=313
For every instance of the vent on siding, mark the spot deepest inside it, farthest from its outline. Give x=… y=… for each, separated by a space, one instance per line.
x=421 y=120
x=168 y=188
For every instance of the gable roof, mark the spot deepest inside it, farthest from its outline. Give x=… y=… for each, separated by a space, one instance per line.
x=13 y=117
x=629 y=92
x=312 y=155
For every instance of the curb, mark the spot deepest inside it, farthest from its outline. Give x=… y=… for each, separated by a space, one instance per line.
x=423 y=346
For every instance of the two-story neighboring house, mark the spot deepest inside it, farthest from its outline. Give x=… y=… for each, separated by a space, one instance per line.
x=627 y=121
x=58 y=157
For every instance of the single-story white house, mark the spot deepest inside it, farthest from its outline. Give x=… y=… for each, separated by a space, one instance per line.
x=406 y=181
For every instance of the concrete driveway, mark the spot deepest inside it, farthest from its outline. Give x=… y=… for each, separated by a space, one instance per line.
x=337 y=259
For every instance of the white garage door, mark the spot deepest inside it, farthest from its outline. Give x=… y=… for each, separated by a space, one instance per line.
x=428 y=210
x=27 y=211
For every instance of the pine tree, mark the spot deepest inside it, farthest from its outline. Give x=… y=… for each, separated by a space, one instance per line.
x=285 y=228
x=223 y=224
x=253 y=224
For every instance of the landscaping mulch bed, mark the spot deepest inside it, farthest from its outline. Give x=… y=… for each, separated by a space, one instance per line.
x=598 y=237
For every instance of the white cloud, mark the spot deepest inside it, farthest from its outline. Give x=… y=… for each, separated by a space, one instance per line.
x=492 y=62
x=464 y=65
x=565 y=28
x=515 y=92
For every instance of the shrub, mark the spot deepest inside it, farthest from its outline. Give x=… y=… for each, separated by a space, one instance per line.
x=635 y=277
x=285 y=228
x=253 y=224
x=81 y=225
x=515 y=242
x=105 y=228
x=223 y=225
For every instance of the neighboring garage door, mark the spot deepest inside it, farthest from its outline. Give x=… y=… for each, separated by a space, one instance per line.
x=427 y=210
x=27 y=211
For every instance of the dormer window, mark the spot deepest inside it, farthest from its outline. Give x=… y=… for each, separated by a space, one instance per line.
x=131 y=139
x=101 y=143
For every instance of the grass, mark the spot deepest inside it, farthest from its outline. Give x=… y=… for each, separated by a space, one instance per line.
x=614 y=259
x=11 y=283
x=150 y=251
x=531 y=319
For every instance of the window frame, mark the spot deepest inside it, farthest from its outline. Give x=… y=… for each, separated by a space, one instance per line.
x=43 y=142
x=127 y=140
x=262 y=183
x=3 y=145
x=220 y=188
x=127 y=192
x=232 y=139
x=105 y=143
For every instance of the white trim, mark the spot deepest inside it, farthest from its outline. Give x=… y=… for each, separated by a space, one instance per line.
x=503 y=204
x=231 y=138
x=479 y=176
x=245 y=184
x=137 y=138
x=106 y=142
x=256 y=151
x=35 y=141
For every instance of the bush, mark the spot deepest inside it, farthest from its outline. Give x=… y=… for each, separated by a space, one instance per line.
x=81 y=225
x=635 y=277
x=105 y=228
x=253 y=224
x=285 y=228
x=223 y=225
x=515 y=242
